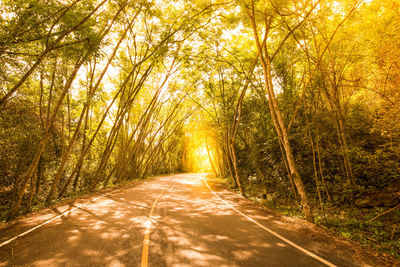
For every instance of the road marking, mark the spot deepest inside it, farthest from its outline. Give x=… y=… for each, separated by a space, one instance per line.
x=309 y=253
x=146 y=240
x=55 y=217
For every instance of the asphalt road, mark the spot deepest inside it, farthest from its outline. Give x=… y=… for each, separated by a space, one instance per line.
x=189 y=225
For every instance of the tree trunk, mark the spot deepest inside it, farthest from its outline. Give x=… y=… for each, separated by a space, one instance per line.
x=277 y=117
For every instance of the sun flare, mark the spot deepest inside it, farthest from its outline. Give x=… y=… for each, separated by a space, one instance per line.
x=201 y=153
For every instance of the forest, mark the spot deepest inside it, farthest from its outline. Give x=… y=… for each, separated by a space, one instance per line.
x=293 y=103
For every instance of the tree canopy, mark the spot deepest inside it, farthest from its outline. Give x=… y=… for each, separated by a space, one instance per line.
x=296 y=103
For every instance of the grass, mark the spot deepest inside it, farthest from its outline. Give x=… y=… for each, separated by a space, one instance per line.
x=383 y=234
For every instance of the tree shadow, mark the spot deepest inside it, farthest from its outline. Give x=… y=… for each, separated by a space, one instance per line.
x=190 y=227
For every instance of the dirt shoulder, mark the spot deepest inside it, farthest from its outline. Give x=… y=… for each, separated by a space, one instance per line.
x=366 y=256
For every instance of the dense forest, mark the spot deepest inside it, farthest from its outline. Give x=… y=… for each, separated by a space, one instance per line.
x=293 y=103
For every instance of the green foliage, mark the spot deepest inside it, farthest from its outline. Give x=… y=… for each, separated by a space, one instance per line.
x=381 y=234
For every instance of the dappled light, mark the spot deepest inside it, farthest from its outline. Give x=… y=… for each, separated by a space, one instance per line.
x=190 y=227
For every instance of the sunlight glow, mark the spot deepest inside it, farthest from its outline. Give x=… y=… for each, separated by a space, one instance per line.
x=201 y=149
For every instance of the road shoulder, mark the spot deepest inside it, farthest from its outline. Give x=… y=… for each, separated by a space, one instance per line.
x=324 y=242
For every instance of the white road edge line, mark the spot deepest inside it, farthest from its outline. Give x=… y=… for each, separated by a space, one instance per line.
x=146 y=240
x=309 y=253
x=56 y=217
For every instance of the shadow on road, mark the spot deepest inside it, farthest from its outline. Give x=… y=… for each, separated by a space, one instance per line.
x=190 y=227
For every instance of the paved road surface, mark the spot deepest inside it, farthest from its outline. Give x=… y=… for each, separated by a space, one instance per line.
x=190 y=225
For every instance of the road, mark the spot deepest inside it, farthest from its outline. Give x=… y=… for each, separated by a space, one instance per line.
x=178 y=220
